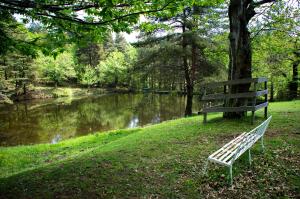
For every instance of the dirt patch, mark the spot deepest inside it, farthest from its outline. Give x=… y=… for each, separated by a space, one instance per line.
x=281 y=132
x=273 y=133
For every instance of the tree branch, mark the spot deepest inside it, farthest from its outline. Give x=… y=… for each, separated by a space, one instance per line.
x=259 y=3
x=58 y=15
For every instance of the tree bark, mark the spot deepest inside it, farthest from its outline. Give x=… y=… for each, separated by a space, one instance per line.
x=240 y=12
x=240 y=55
x=189 y=83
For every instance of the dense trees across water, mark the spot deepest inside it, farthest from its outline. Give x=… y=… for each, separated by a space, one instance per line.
x=181 y=44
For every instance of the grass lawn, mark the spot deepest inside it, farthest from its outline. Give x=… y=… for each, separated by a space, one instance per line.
x=159 y=161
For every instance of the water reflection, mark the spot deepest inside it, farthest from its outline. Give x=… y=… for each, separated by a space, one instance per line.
x=49 y=121
x=56 y=139
x=134 y=122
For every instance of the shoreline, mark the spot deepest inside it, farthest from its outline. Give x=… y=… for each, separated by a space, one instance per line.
x=43 y=92
x=159 y=159
x=59 y=92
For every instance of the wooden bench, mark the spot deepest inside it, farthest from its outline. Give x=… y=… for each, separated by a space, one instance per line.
x=216 y=101
x=236 y=147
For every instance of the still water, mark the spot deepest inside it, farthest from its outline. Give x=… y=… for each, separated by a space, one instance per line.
x=53 y=120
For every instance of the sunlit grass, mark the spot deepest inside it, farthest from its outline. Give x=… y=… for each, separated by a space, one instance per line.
x=163 y=160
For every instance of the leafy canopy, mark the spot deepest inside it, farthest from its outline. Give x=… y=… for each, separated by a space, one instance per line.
x=73 y=20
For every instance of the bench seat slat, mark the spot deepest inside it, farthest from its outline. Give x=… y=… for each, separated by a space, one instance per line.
x=226 y=145
x=244 y=146
x=228 y=154
x=234 y=149
x=243 y=143
x=218 y=161
x=230 y=147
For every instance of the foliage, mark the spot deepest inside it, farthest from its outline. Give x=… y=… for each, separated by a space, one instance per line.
x=177 y=36
x=116 y=68
x=5 y=100
x=62 y=92
x=70 y=22
x=14 y=36
x=57 y=69
x=120 y=43
x=89 y=77
x=88 y=54
x=272 y=58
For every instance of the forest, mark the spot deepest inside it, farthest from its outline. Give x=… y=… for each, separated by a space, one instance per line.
x=110 y=99
x=177 y=49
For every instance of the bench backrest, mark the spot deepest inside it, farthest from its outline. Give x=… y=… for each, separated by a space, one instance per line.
x=252 y=137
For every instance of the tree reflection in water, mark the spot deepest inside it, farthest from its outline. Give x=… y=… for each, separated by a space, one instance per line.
x=46 y=120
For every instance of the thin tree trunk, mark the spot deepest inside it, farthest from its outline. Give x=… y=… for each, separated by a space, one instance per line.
x=24 y=89
x=17 y=82
x=5 y=74
x=189 y=84
x=5 y=71
x=272 y=92
x=152 y=82
x=116 y=81
x=293 y=85
x=90 y=59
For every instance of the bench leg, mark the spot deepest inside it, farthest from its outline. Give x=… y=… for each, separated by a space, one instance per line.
x=249 y=155
x=230 y=174
x=252 y=117
x=204 y=118
x=262 y=143
x=266 y=112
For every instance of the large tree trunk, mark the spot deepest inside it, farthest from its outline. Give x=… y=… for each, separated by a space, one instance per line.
x=240 y=12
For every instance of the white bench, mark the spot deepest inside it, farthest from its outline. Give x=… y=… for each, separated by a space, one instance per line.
x=236 y=147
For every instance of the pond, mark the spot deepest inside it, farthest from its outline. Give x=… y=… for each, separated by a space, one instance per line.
x=52 y=120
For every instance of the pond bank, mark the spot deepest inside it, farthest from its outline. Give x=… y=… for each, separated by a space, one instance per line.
x=52 y=92
x=49 y=92
x=162 y=161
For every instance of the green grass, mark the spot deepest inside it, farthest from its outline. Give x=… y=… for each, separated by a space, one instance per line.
x=159 y=161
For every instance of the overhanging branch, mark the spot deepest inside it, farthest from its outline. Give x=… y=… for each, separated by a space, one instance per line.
x=54 y=11
x=259 y=3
